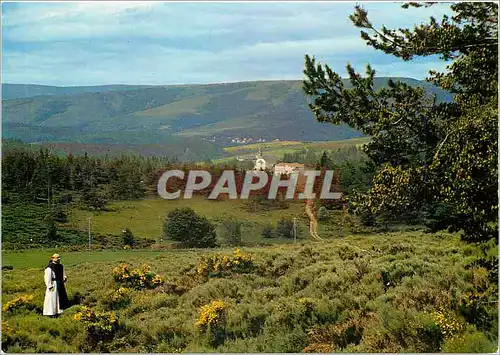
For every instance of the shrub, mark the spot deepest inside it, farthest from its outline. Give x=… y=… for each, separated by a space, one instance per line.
x=211 y=315
x=217 y=265
x=284 y=228
x=116 y=299
x=362 y=268
x=99 y=326
x=267 y=232
x=347 y=253
x=449 y=325
x=246 y=321
x=185 y=226
x=469 y=342
x=137 y=278
x=5 y=328
x=339 y=335
x=319 y=348
x=212 y=321
x=231 y=232
x=176 y=287
x=21 y=303
x=475 y=308
x=323 y=214
x=128 y=238
x=426 y=334
x=308 y=304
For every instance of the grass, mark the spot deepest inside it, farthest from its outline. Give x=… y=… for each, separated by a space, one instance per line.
x=327 y=295
x=38 y=258
x=276 y=150
x=145 y=217
x=186 y=106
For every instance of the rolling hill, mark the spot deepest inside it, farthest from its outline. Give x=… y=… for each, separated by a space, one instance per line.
x=191 y=114
x=19 y=91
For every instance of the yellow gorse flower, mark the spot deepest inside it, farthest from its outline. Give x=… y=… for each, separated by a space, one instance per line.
x=17 y=303
x=219 y=263
x=5 y=327
x=90 y=316
x=306 y=302
x=449 y=325
x=137 y=278
x=211 y=314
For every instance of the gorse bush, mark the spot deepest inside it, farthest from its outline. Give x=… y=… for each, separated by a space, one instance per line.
x=24 y=302
x=218 y=265
x=213 y=314
x=338 y=336
x=118 y=298
x=99 y=326
x=212 y=321
x=449 y=325
x=281 y=298
x=138 y=279
x=471 y=341
x=319 y=348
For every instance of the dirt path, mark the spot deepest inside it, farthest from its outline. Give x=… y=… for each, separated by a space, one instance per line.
x=313 y=222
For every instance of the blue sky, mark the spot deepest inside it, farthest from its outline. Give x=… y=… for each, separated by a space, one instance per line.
x=93 y=43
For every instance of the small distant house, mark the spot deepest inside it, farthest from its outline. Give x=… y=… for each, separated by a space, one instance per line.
x=288 y=168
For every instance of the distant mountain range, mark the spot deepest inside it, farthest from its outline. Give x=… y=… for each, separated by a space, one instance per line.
x=183 y=115
x=20 y=91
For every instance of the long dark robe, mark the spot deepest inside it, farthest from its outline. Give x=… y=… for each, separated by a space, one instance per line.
x=61 y=289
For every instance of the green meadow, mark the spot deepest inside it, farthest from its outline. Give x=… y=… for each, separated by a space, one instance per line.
x=145 y=218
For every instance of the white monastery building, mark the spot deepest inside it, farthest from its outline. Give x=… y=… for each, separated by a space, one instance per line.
x=288 y=168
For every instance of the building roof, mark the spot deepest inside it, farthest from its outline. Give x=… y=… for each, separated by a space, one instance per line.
x=295 y=165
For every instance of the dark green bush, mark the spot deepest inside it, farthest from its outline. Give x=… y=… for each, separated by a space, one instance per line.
x=128 y=238
x=185 y=226
x=267 y=232
x=230 y=232
x=284 y=229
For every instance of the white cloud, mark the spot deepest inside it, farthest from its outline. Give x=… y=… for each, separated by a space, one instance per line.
x=172 y=43
x=410 y=70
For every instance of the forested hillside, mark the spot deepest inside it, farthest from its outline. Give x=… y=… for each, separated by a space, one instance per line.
x=155 y=115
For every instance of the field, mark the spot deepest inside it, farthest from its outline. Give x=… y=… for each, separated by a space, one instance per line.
x=275 y=150
x=294 y=145
x=145 y=217
x=395 y=292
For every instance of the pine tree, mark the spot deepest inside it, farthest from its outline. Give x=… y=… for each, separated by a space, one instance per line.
x=426 y=152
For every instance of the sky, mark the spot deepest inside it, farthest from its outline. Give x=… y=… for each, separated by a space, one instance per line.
x=166 y=43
